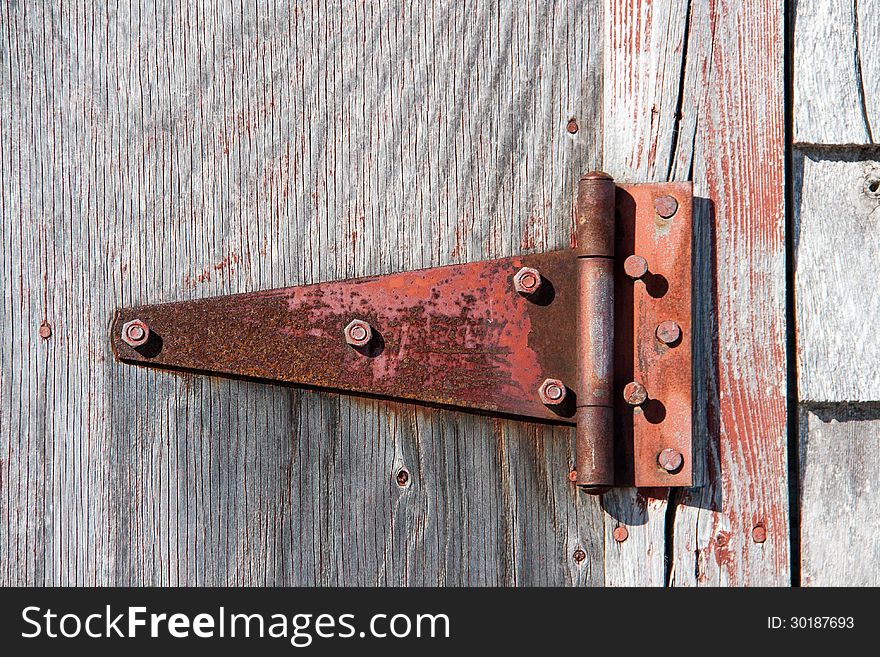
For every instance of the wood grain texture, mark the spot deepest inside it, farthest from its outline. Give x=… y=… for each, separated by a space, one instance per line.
x=840 y=477
x=694 y=91
x=836 y=69
x=837 y=246
x=167 y=151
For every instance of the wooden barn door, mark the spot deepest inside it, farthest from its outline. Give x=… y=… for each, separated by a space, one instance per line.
x=161 y=151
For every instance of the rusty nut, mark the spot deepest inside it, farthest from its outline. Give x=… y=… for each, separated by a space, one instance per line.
x=135 y=333
x=552 y=392
x=527 y=280
x=358 y=333
x=634 y=393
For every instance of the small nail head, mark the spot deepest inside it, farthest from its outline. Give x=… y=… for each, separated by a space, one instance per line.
x=572 y=126
x=552 y=392
x=358 y=333
x=402 y=478
x=579 y=555
x=573 y=476
x=666 y=206
x=620 y=533
x=670 y=460
x=635 y=266
x=135 y=333
x=527 y=280
x=634 y=393
x=45 y=330
x=668 y=332
x=759 y=534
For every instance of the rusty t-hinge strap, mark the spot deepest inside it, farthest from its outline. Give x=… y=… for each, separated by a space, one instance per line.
x=597 y=336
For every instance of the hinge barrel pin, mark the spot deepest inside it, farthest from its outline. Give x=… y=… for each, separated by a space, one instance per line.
x=595 y=352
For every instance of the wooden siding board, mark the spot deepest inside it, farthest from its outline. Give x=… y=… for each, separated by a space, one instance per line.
x=155 y=152
x=837 y=223
x=721 y=126
x=840 y=516
x=836 y=66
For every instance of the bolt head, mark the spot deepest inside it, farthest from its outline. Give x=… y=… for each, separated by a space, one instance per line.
x=634 y=393
x=635 y=267
x=620 y=533
x=402 y=478
x=572 y=126
x=573 y=476
x=666 y=206
x=670 y=460
x=552 y=392
x=527 y=280
x=45 y=330
x=358 y=333
x=668 y=332
x=135 y=333
x=579 y=555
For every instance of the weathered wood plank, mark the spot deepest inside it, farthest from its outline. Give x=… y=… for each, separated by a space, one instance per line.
x=644 y=51
x=840 y=512
x=163 y=151
x=721 y=125
x=836 y=67
x=837 y=246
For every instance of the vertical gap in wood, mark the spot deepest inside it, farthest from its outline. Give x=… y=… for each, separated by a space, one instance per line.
x=794 y=479
x=669 y=530
x=680 y=100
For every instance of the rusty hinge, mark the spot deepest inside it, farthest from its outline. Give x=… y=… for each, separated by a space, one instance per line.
x=598 y=336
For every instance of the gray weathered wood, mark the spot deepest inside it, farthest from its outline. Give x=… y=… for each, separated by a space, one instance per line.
x=836 y=69
x=840 y=509
x=837 y=247
x=693 y=91
x=166 y=151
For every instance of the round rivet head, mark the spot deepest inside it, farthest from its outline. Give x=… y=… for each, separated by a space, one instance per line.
x=620 y=533
x=527 y=280
x=666 y=206
x=670 y=460
x=552 y=392
x=759 y=534
x=135 y=333
x=668 y=332
x=635 y=267
x=358 y=333
x=634 y=393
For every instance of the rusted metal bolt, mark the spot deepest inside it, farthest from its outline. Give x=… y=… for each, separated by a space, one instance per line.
x=552 y=392
x=670 y=460
x=579 y=555
x=572 y=126
x=634 y=393
x=722 y=539
x=135 y=333
x=635 y=267
x=573 y=476
x=620 y=533
x=527 y=280
x=45 y=330
x=358 y=333
x=402 y=478
x=668 y=332
x=759 y=534
x=666 y=206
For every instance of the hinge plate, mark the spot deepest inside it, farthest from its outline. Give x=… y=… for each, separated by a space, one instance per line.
x=461 y=336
